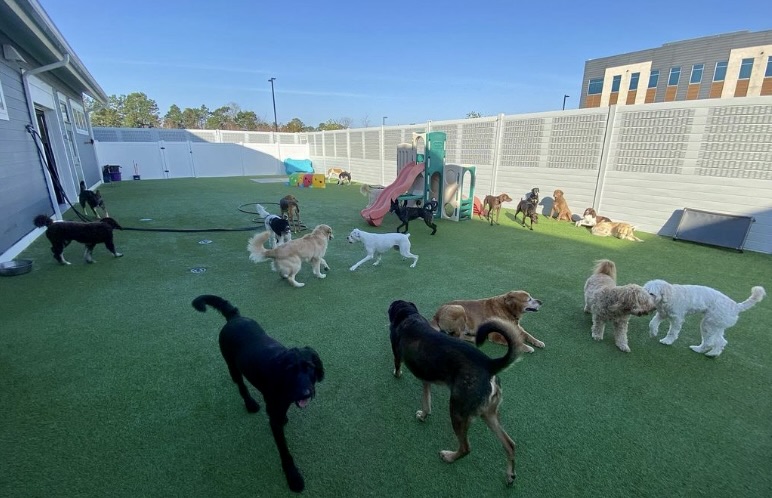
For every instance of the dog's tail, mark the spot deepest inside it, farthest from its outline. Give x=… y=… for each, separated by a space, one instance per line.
x=364 y=189
x=605 y=267
x=224 y=307
x=261 y=211
x=42 y=220
x=113 y=224
x=257 y=252
x=757 y=294
x=510 y=335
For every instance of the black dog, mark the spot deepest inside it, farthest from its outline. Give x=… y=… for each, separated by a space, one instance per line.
x=528 y=208
x=533 y=196
x=283 y=376
x=61 y=233
x=436 y=358
x=92 y=199
x=405 y=214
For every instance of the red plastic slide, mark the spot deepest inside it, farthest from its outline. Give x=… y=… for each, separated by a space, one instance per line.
x=374 y=214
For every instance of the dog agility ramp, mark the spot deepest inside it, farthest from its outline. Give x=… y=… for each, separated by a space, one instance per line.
x=716 y=229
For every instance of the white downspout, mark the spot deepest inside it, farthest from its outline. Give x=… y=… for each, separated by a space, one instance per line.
x=25 y=74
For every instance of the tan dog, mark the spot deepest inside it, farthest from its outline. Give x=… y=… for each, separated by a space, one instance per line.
x=290 y=256
x=290 y=209
x=492 y=202
x=334 y=173
x=611 y=303
x=618 y=229
x=560 y=206
x=461 y=318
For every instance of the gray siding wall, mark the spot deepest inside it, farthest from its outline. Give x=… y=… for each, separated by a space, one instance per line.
x=23 y=190
x=684 y=54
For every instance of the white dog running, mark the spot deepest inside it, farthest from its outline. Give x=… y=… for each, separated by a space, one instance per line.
x=377 y=244
x=674 y=302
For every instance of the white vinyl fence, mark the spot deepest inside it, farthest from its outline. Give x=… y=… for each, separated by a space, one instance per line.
x=642 y=164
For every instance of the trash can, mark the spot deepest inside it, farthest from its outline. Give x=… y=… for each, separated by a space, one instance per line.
x=114 y=171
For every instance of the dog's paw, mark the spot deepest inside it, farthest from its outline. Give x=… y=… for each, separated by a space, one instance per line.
x=353 y=268
x=252 y=406
x=511 y=478
x=397 y=373
x=421 y=415
x=597 y=337
x=698 y=348
x=322 y=275
x=118 y=254
x=538 y=343
x=667 y=340
x=624 y=348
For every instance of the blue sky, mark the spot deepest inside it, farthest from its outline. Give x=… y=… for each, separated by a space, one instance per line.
x=410 y=61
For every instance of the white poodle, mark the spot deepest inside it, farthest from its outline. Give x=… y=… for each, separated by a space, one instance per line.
x=674 y=302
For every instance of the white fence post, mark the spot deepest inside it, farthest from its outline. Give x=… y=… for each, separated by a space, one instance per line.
x=603 y=165
x=497 y=145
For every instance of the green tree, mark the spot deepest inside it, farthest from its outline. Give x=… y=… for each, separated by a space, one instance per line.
x=473 y=114
x=139 y=111
x=109 y=114
x=195 y=119
x=246 y=120
x=222 y=118
x=173 y=118
x=295 y=126
x=333 y=124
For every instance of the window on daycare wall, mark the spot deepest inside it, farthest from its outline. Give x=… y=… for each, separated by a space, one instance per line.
x=675 y=75
x=746 y=68
x=654 y=78
x=595 y=86
x=615 y=82
x=634 y=80
x=696 y=77
x=3 y=106
x=720 y=73
x=768 y=72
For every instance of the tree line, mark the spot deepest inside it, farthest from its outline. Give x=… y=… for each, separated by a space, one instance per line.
x=137 y=110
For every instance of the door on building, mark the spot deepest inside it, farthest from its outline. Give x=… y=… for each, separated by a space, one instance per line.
x=48 y=155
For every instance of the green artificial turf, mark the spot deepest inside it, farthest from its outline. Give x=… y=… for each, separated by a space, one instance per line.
x=111 y=384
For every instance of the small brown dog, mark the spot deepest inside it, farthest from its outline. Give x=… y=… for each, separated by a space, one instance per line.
x=461 y=318
x=609 y=302
x=291 y=211
x=492 y=202
x=560 y=207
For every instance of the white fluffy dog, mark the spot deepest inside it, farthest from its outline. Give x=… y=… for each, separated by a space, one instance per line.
x=376 y=244
x=720 y=312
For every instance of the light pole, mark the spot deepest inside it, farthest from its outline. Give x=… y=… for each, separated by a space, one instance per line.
x=383 y=121
x=273 y=96
x=564 y=101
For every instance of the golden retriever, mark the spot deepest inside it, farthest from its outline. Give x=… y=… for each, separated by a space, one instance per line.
x=461 y=318
x=289 y=257
x=609 y=302
x=560 y=207
x=618 y=229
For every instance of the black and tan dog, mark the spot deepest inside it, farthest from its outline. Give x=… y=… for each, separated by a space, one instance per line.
x=290 y=209
x=405 y=214
x=436 y=358
x=61 y=233
x=91 y=199
x=528 y=208
x=283 y=375
x=493 y=203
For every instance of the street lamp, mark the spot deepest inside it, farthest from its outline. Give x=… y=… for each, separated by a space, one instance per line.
x=273 y=96
x=383 y=121
x=564 y=101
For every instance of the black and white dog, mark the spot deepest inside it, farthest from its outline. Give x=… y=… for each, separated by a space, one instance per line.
x=284 y=376
x=282 y=232
x=91 y=199
x=61 y=233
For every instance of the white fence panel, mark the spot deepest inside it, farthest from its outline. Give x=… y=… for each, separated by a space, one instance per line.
x=146 y=155
x=217 y=159
x=178 y=159
x=261 y=159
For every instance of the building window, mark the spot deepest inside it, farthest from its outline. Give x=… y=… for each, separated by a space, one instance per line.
x=615 y=83
x=654 y=78
x=720 y=73
x=595 y=87
x=634 y=81
x=768 y=73
x=675 y=75
x=696 y=73
x=745 y=69
x=3 y=106
x=79 y=118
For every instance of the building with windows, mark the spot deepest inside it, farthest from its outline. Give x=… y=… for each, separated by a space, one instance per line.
x=722 y=66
